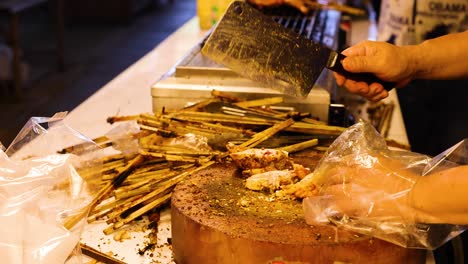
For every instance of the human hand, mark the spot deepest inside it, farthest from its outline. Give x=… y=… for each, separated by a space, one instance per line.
x=378 y=188
x=388 y=62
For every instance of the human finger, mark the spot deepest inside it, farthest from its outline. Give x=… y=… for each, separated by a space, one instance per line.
x=358 y=64
x=375 y=91
x=340 y=79
x=349 y=199
x=360 y=88
x=356 y=50
x=382 y=95
x=350 y=85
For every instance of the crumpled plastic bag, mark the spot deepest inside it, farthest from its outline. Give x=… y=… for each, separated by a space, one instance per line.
x=123 y=137
x=364 y=187
x=40 y=191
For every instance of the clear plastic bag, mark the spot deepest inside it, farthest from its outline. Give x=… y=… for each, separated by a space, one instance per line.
x=364 y=187
x=123 y=137
x=40 y=191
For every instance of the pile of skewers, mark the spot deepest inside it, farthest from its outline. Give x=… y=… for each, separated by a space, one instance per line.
x=172 y=145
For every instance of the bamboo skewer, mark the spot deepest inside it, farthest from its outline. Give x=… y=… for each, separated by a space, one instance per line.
x=222 y=118
x=264 y=135
x=133 y=185
x=300 y=146
x=316 y=129
x=150 y=185
x=114 y=216
x=72 y=221
x=114 y=119
x=154 y=174
x=103 y=210
x=213 y=128
x=149 y=116
x=321 y=148
x=170 y=157
x=384 y=125
x=177 y=150
x=121 y=209
x=110 y=166
x=83 y=147
x=260 y=102
x=120 y=193
x=155 y=192
x=200 y=105
x=313 y=121
x=99 y=256
x=144 y=168
x=137 y=213
x=226 y=96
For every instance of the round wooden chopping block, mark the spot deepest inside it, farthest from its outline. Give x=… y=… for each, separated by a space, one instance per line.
x=215 y=219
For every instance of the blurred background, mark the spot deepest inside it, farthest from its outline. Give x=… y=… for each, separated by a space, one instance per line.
x=96 y=41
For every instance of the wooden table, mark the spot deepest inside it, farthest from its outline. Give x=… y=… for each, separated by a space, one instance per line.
x=13 y=8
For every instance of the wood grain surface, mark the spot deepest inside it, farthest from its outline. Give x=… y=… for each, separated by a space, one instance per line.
x=215 y=219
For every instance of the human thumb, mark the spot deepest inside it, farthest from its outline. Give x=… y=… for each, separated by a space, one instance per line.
x=357 y=64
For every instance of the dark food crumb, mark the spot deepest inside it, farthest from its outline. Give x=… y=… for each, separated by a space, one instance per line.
x=154 y=217
x=153 y=225
x=129 y=211
x=146 y=248
x=169 y=240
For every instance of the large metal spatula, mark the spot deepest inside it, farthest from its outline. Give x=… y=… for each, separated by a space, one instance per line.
x=256 y=47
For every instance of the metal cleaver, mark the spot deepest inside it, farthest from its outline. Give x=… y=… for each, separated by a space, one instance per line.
x=256 y=47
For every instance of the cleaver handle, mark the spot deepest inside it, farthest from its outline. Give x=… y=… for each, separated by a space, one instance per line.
x=334 y=64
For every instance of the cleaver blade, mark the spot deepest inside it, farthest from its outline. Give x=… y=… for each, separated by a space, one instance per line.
x=258 y=48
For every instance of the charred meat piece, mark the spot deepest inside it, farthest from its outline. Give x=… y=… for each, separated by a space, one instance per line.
x=273 y=170
x=302 y=189
x=271 y=180
x=274 y=180
x=262 y=158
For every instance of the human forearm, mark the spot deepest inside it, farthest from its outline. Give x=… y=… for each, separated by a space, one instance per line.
x=443 y=196
x=445 y=57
